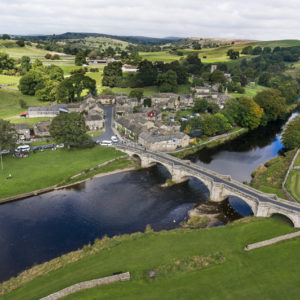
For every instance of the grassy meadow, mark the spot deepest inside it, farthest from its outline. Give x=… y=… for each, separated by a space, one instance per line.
x=43 y=169
x=206 y=263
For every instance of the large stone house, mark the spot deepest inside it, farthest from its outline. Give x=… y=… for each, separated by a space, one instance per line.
x=163 y=142
x=94 y=121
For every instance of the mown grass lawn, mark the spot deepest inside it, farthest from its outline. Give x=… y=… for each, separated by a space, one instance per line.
x=266 y=273
x=43 y=169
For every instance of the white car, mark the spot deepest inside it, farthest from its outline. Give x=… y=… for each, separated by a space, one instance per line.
x=23 y=148
x=114 y=139
x=106 y=143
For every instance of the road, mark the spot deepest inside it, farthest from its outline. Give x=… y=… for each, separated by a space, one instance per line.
x=106 y=135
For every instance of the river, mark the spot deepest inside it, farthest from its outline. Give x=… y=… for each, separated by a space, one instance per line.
x=43 y=227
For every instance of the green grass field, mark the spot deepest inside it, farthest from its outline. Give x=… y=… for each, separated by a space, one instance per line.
x=9 y=103
x=164 y=56
x=48 y=168
x=293 y=184
x=266 y=273
x=29 y=121
x=149 y=90
x=98 y=76
x=249 y=91
x=5 y=79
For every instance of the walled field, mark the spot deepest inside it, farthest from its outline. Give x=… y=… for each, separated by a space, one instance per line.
x=188 y=263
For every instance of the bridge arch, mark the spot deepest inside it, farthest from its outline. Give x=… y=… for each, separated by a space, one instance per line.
x=284 y=218
x=199 y=186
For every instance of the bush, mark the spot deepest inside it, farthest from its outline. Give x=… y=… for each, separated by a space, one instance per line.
x=22 y=103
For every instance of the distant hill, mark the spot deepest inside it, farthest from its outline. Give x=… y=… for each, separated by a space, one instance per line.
x=142 y=40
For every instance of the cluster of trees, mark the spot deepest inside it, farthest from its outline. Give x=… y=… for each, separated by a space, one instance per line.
x=291 y=134
x=52 y=57
x=210 y=124
x=48 y=84
x=166 y=75
x=268 y=105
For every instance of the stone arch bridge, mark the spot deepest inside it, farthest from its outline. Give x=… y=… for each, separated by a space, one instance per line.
x=219 y=186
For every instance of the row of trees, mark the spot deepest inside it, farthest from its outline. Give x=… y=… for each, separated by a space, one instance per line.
x=291 y=134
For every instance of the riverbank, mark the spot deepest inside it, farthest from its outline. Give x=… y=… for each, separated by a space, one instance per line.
x=47 y=169
x=293 y=179
x=185 y=263
x=269 y=177
x=210 y=143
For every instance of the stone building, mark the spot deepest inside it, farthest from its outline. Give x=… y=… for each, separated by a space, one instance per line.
x=41 y=129
x=23 y=131
x=94 y=121
x=156 y=141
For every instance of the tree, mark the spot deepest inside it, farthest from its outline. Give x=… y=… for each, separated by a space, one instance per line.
x=80 y=59
x=71 y=88
x=167 y=81
x=6 y=63
x=233 y=54
x=48 y=92
x=249 y=113
x=217 y=76
x=264 y=79
x=20 y=43
x=112 y=74
x=48 y=56
x=272 y=103
x=247 y=50
x=147 y=102
x=200 y=106
x=291 y=134
x=223 y=124
x=25 y=63
x=31 y=81
x=5 y=36
x=137 y=93
x=193 y=64
x=147 y=73
x=257 y=51
x=8 y=137
x=69 y=129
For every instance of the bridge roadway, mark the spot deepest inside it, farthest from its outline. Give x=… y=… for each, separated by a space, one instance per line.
x=223 y=179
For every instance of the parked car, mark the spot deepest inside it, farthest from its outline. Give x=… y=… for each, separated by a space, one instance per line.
x=48 y=146
x=114 y=139
x=60 y=146
x=36 y=148
x=23 y=148
x=3 y=152
x=106 y=143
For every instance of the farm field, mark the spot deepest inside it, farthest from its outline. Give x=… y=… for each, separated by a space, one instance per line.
x=188 y=263
x=9 y=103
x=164 y=56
